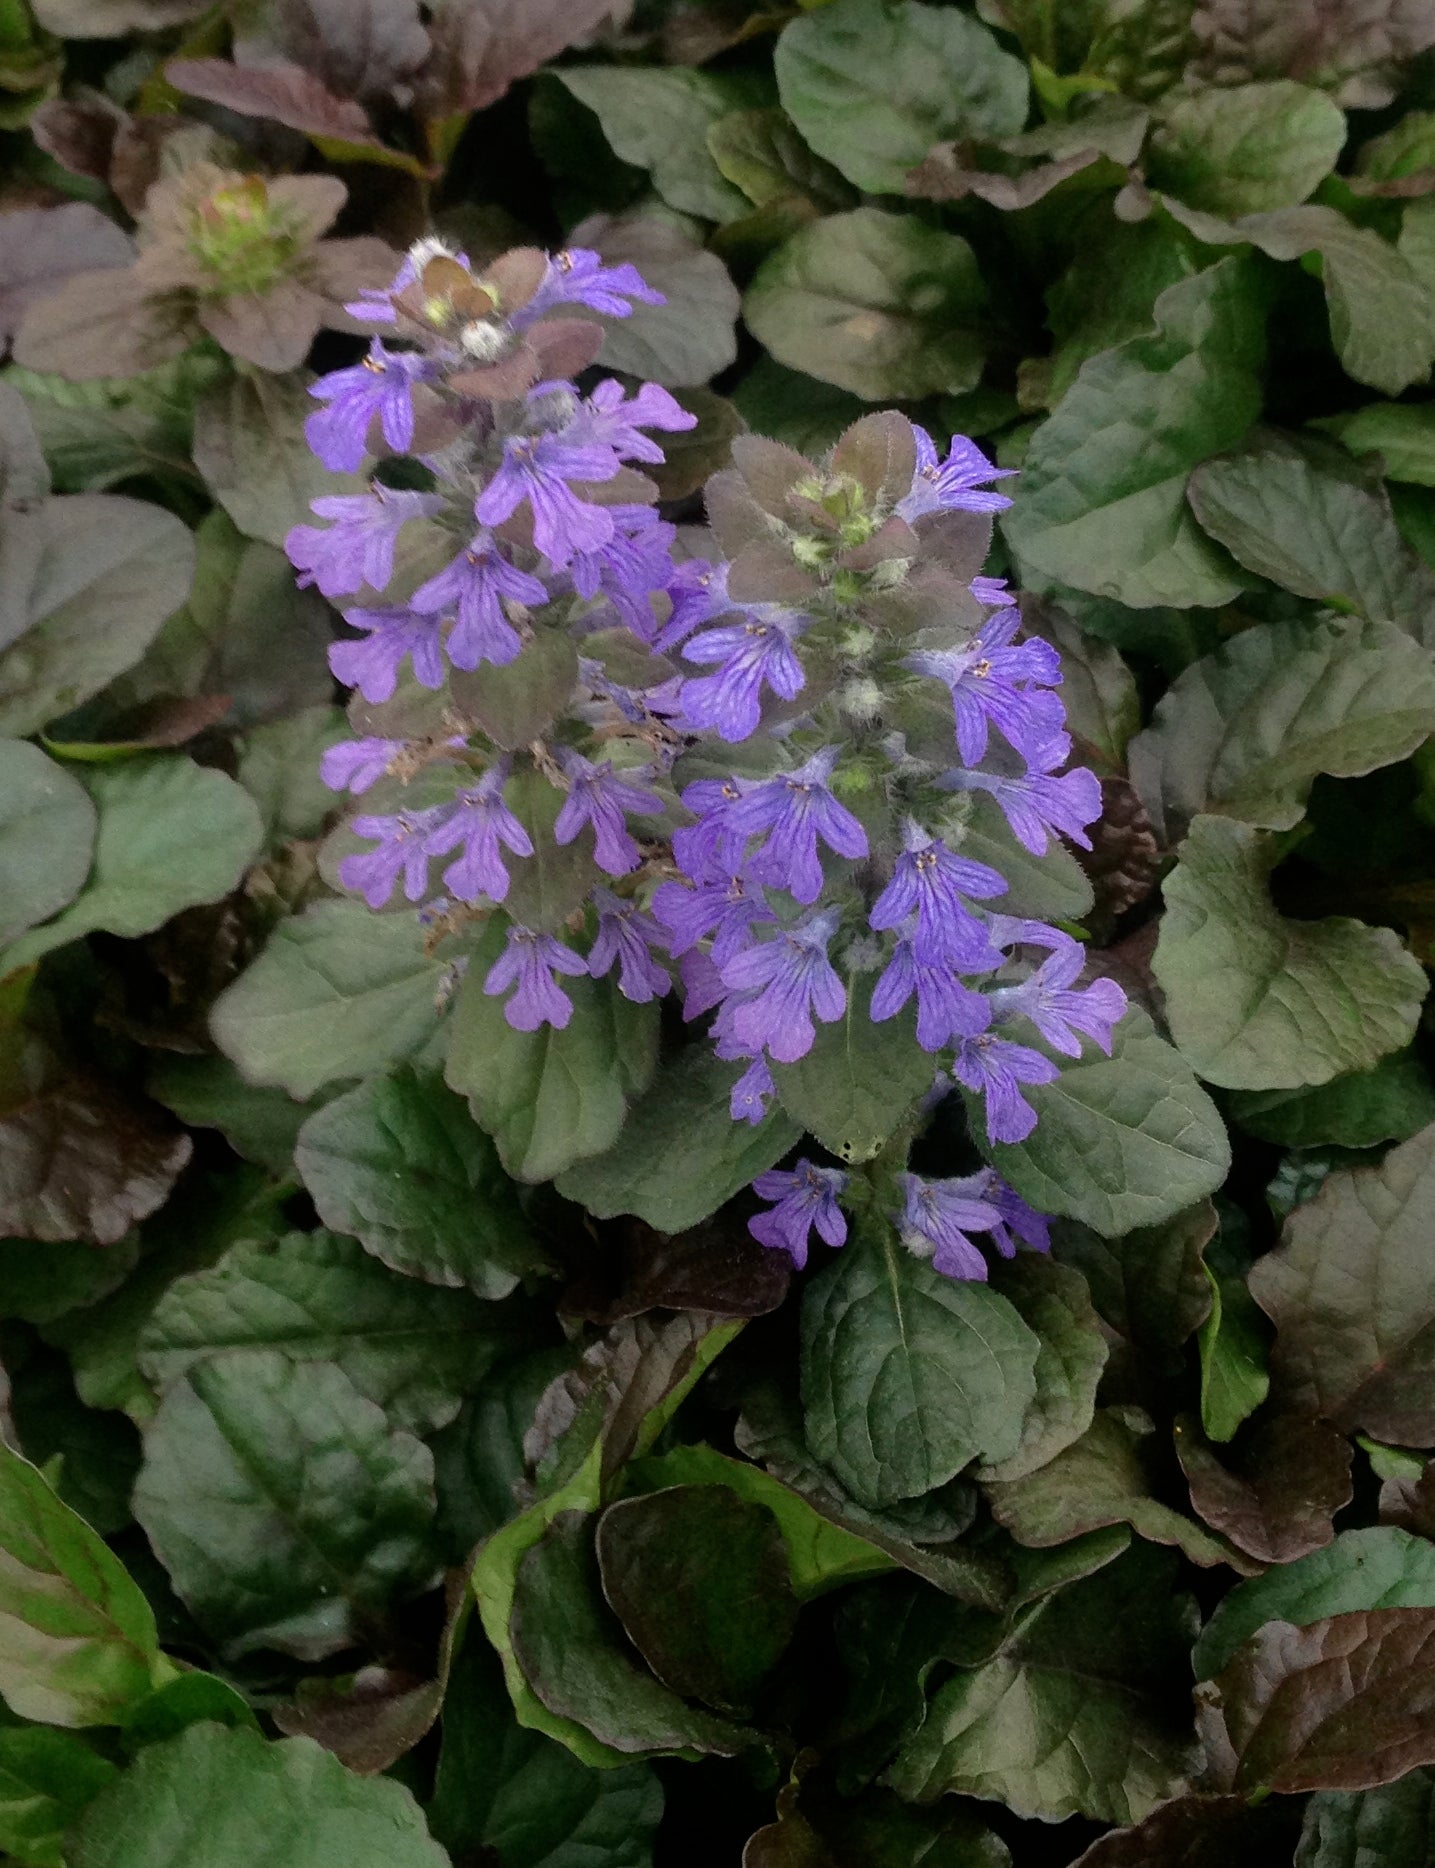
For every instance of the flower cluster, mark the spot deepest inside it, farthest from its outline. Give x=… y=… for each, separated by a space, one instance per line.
x=548 y=691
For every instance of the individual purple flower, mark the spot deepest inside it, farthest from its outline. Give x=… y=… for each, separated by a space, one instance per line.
x=400 y=852
x=806 y=1196
x=1039 y=802
x=630 y=567
x=748 y=1100
x=933 y=883
x=473 y=587
x=627 y=935
x=951 y=485
x=602 y=797
x=713 y=848
x=723 y=910
x=703 y=988
x=1059 y=1013
x=995 y=683
x=789 y=979
x=538 y=468
x=528 y=964
x=997 y=1068
x=946 y=1009
x=579 y=277
x=394 y=635
x=358 y=548
x=611 y=418
x=480 y=821
x=381 y=385
x=791 y=812
x=375 y=305
x=1031 y=1227
x=750 y=655
x=697 y=591
x=356 y=764
x=937 y=1217
x=991 y=591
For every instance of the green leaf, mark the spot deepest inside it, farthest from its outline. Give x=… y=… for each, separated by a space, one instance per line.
x=77 y=1639
x=47 y=836
x=525 y=1798
x=1378 y=1568
x=880 y=304
x=97 y=433
x=1098 y=690
x=558 y=878
x=400 y=1164
x=1246 y=731
x=1316 y=523
x=821 y=1555
x=89 y=580
x=1053 y=887
x=208 y=1093
x=658 y=119
x=859 y=1082
x=1401 y=433
x=1350 y=1294
x=1247 y=148
x=279 y=768
x=570 y=1647
x=249 y=445
x=338 y=992
x=680 y=1155
x=761 y=152
x=1339 y=1704
x=1054 y=1302
x=478 y=1459
x=789 y=406
x=1259 y=1002
x=1106 y=1477
x=217 y=1797
x=1079 y=1711
x=690 y=338
x=286 y=1510
x=1232 y=1342
x=1382 y=320
x=1120 y=1141
x=872 y=86
x=698 y=1578
x=1382 y=1828
x=549 y=1097
x=1103 y=492
x=171 y=834
x=1390 y=1102
x=908 y=1376
x=1108 y=293
x=46 y=1779
x=413 y=1349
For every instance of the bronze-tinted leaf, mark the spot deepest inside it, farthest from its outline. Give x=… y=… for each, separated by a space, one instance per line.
x=481 y=47
x=1197 y=1832
x=1342 y=1704
x=98 y=324
x=369 y=1723
x=357 y=48
x=40 y=248
x=285 y=94
x=716 y=1267
x=1276 y=1490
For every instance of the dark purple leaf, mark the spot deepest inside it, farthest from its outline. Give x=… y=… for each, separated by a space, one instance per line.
x=1352 y=49
x=1197 y=1832
x=716 y=1267
x=40 y=248
x=1276 y=1490
x=284 y=93
x=357 y=48
x=481 y=47
x=368 y=1723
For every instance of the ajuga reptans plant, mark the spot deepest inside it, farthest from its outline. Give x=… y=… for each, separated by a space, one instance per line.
x=742 y=768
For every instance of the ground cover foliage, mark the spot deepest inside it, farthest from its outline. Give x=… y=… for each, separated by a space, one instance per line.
x=409 y=1454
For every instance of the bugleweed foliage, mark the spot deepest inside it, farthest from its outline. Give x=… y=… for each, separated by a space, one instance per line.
x=717 y=856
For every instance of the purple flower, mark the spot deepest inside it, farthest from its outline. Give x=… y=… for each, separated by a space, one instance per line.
x=601 y=797
x=630 y=567
x=697 y=591
x=1038 y=803
x=937 y=1216
x=538 y=468
x=528 y=963
x=724 y=910
x=473 y=586
x=401 y=852
x=950 y=485
x=991 y=685
x=991 y=591
x=480 y=821
x=931 y=882
x=946 y=1009
x=356 y=764
x=1031 y=1227
x=1058 y=1012
x=610 y=418
x=358 y=548
x=579 y=277
x=751 y=654
x=794 y=810
x=382 y=386
x=627 y=935
x=998 y=1068
x=372 y=666
x=785 y=981
x=712 y=849
x=748 y=1101
x=806 y=1196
